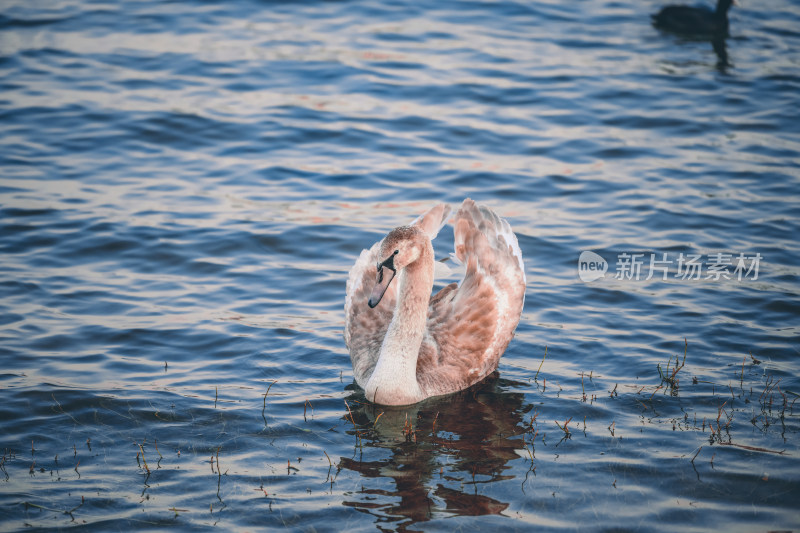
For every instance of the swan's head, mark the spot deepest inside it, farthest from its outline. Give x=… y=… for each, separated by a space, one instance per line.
x=401 y=247
x=724 y=5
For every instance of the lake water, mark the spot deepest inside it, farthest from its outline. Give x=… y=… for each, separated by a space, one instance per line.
x=184 y=187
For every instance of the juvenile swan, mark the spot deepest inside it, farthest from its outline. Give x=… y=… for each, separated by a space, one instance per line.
x=406 y=345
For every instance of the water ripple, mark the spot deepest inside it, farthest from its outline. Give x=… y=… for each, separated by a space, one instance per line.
x=186 y=185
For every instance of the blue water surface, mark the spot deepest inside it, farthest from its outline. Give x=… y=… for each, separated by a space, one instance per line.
x=184 y=187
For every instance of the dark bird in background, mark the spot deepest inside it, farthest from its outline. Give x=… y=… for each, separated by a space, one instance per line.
x=695 y=21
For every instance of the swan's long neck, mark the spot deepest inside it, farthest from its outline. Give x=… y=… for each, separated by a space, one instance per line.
x=394 y=380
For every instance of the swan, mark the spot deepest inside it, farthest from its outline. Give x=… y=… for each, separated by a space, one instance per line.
x=406 y=345
x=694 y=20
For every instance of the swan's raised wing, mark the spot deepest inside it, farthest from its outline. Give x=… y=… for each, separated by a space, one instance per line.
x=433 y=220
x=365 y=327
x=470 y=324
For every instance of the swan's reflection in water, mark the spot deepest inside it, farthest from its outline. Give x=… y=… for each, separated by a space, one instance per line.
x=721 y=49
x=431 y=459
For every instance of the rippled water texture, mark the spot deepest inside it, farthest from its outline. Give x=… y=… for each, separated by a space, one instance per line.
x=184 y=187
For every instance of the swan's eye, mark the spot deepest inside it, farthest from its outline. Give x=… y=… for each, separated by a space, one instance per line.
x=396 y=252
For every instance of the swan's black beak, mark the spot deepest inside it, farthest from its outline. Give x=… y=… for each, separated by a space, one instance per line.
x=386 y=272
